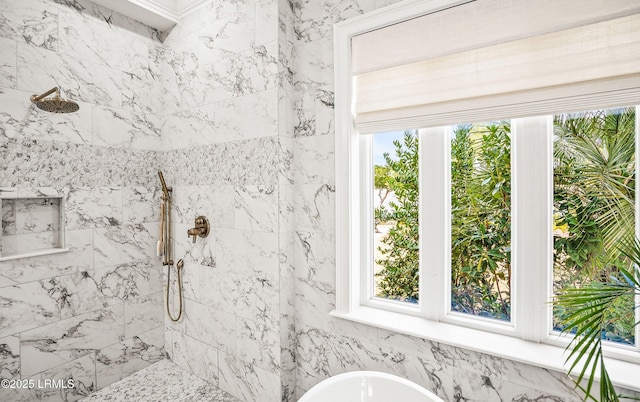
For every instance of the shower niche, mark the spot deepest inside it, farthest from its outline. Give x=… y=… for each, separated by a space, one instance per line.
x=32 y=223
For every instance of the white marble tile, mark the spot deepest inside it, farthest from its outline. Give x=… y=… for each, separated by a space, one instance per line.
x=314 y=110
x=124 y=244
x=285 y=161
x=26 y=306
x=78 y=258
x=314 y=63
x=314 y=302
x=285 y=113
x=266 y=21
x=82 y=37
x=214 y=202
x=78 y=293
x=505 y=391
x=212 y=11
x=248 y=252
x=244 y=295
x=143 y=314
x=222 y=121
x=197 y=357
x=217 y=330
x=79 y=80
x=142 y=92
x=517 y=374
x=93 y=207
x=10 y=357
x=314 y=159
x=80 y=372
x=314 y=19
x=258 y=345
x=169 y=336
x=473 y=386
x=190 y=128
x=8 y=61
x=31 y=21
x=315 y=256
x=51 y=345
x=286 y=208
x=125 y=358
x=141 y=205
x=256 y=208
x=247 y=382
x=9 y=217
x=105 y=286
x=126 y=129
x=176 y=60
x=224 y=37
x=315 y=208
x=252 y=71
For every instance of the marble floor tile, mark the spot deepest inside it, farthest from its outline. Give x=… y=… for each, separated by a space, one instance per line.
x=162 y=381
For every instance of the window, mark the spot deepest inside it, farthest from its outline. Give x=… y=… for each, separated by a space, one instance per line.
x=465 y=192
x=589 y=149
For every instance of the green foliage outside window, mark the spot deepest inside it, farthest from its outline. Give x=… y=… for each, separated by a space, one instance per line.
x=593 y=219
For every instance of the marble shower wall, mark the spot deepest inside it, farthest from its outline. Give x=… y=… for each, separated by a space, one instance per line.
x=226 y=77
x=328 y=346
x=94 y=313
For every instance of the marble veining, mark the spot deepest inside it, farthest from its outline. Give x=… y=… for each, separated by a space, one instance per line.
x=31 y=21
x=162 y=381
x=7 y=63
x=45 y=163
x=60 y=342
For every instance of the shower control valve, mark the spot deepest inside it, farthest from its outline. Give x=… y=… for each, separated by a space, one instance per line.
x=201 y=228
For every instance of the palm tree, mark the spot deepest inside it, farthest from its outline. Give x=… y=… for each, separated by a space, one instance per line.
x=598 y=257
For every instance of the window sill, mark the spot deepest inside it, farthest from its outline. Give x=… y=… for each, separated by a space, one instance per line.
x=623 y=373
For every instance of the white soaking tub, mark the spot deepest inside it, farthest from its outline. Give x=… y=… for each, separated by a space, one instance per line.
x=368 y=386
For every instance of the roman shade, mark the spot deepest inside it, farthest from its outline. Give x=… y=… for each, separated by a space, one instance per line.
x=496 y=59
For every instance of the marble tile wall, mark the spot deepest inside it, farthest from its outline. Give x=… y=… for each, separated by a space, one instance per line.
x=226 y=76
x=93 y=314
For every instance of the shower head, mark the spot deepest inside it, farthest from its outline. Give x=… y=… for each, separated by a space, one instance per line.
x=55 y=104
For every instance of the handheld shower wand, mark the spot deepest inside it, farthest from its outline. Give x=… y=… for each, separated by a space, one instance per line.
x=165 y=189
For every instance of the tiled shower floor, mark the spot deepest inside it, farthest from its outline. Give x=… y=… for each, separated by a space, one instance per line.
x=161 y=382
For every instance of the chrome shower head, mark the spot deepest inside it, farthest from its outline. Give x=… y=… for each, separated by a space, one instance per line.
x=55 y=104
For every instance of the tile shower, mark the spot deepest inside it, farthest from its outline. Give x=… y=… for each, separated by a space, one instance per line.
x=235 y=105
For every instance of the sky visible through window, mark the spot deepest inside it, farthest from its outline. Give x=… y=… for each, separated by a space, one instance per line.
x=382 y=143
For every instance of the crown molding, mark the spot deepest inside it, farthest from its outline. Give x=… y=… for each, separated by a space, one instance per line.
x=159 y=14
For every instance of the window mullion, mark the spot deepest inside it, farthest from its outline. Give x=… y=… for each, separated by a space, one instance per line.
x=366 y=219
x=532 y=172
x=434 y=222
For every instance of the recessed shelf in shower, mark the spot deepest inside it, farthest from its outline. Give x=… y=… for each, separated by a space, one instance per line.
x=32 y=223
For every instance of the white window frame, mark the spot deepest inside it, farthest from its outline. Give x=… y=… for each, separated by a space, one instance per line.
x=522 y=340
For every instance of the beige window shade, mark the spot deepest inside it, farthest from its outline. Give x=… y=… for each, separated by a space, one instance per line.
x=596 y=62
